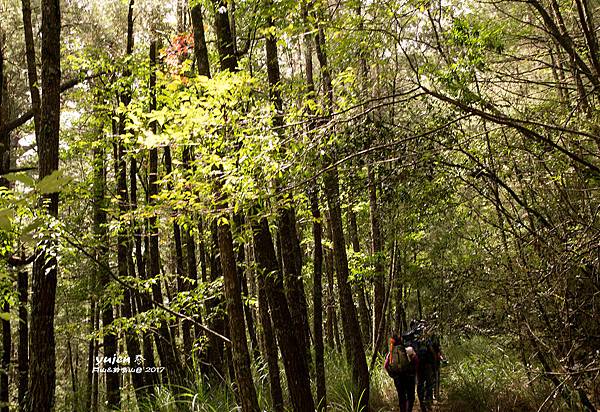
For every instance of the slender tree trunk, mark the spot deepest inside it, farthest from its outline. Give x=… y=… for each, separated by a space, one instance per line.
x=192 y=271
x=351 y=327
x=216 y=319
x=110 y=340
x=296 y=367
x=363 y=311
x=91 y=355
x=352 y=337
x=332 y=322
x=95 y=376
x=233 y=297
x=271 y=354
x=32 y=76
x=43 y=298
x=203 y=68
x=419 y=306
x=249 y=317
x=203 y=355
x=235 y=312
x=241 y=261
x=167 y=350
x=4 y=135
x=144 y=301
x=182 y=285
x=287 y=224
x=317 y=230
x=23 y=350
x=376 y=249
x=5 y=361
x=72 y=374
x=293 y=280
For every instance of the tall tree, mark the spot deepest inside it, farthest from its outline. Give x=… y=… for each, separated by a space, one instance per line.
x=270 y=347
x=23 y=348
x=376 y=251
x=353 y=343
x=5 y=360
x=363 y=310
x=43 y=298
x=290 y=250
x=317 y=230
x=32 y=75
x=165 y=343
x=233 y=293
x=296 y=367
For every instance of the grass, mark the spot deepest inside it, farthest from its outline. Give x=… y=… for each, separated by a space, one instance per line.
x=481 y=376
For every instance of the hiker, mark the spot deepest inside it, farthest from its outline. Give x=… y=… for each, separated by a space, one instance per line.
x=401 y=364
x=439 y=358
x=426 y=372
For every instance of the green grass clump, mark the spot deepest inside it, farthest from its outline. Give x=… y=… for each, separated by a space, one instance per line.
x=483 y=375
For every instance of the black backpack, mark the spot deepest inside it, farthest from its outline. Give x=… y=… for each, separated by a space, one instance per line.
x=425 y=352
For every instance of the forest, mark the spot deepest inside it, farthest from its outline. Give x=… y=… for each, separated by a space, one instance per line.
x=232 y=205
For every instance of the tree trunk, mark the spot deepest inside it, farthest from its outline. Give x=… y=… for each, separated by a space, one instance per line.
x=235 y=312
x=142 y=298
x=241 y=262
x=287 y=222
x=113 y=395
x=271 y=353
x=202 y=354
x=296 y=367
x=32 y=76
x=43 y=298
x=4 y=134
x=353 y=341
x=144 y=302
x=91 y=355
x=5 y=361
x=95 y=376
x=363 y=310
x=233 y=297
x=200 y=50
x=333 y=335
x=23 y=350
x=165 y=344
x=419 y=306
x=293 y=281
x=376 y=249
x=182 y=285
x=351 y=327
x=216 y=319
x=317 y=230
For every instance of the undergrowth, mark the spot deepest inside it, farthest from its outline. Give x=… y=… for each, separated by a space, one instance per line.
x=481 y=375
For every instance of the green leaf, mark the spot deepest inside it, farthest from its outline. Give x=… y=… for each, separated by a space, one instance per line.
x=5 y=315
x=20 y=177
x=6 y=217
x=53 y=183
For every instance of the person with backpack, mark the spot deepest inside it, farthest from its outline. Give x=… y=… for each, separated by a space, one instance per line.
x=401 y=364
x=426 y=372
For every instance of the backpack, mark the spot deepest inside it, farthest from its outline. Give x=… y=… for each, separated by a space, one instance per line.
x=398 y=362
x=425 y=352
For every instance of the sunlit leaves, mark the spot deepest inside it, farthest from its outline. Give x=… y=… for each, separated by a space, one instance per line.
x=53 y=183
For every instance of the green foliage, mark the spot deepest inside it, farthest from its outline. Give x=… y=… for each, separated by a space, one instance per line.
x=487 y=375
